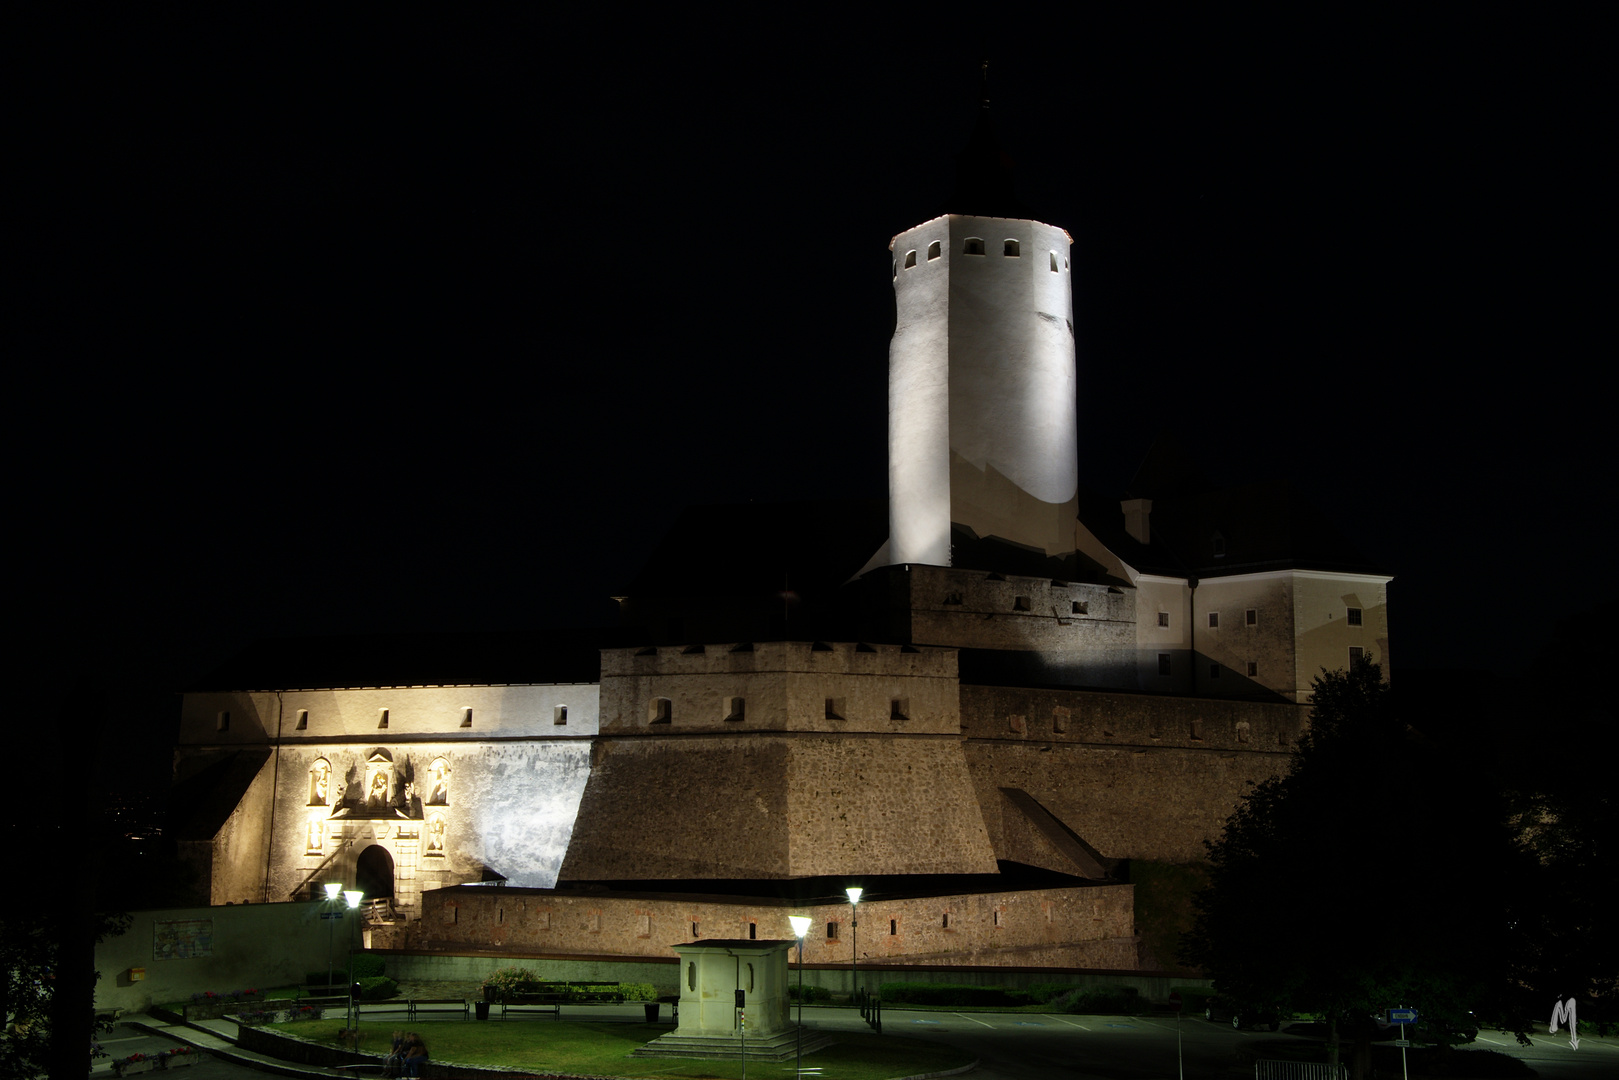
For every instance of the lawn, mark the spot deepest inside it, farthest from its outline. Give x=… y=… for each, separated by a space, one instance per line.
x=603 y=1049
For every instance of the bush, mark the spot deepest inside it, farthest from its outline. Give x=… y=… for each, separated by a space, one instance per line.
x=894 y=993
x=812 y=994
x=638 y=991
x=364 y=966
x=1116 y=999
x=376 y=987
x=512 y=980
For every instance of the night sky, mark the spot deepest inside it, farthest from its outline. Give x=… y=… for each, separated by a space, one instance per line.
x=379 y=326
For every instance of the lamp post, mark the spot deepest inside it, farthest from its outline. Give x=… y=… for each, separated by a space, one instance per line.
x=352 y=1017
x=801 y=925
x=331 y=915
x=854 y=892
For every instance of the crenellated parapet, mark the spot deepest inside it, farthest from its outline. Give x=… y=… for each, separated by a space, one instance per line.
x=779 y=686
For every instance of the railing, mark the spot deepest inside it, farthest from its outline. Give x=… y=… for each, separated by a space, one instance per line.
x=1298 y=1070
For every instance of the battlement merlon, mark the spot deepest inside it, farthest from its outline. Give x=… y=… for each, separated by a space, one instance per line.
x=799 y=686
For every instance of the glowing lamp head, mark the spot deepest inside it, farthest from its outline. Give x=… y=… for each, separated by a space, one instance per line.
x=854 y=893
x=801 y=925
x=353 y=896
x=332 y=889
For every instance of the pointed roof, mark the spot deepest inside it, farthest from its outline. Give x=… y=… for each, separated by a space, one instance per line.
x=985 y=174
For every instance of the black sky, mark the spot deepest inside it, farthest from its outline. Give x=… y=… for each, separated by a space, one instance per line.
x=433 y=324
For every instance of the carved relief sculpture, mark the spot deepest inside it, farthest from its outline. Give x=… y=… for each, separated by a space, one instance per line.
x=435 y=835
x=438 y=788
x=320 y=778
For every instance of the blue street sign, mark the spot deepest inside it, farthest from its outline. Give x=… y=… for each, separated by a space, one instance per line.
x=1402 y=1016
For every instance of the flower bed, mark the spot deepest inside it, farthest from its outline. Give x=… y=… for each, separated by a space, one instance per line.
x=210 y=1006
x=255 y=1017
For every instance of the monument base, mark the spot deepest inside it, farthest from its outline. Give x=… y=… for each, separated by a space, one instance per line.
x=780 y=1046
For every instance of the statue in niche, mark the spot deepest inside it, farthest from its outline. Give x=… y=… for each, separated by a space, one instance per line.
x=320 y=778
x=377 y=794
x=435 y=834
x=438 y=788
x=317 y=834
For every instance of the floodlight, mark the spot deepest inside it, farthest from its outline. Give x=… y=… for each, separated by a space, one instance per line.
x=854 y=892
x=332 y=889
x=353 y=896
x=801 y=924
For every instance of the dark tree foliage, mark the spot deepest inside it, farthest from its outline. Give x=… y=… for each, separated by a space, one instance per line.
x=1368 y=877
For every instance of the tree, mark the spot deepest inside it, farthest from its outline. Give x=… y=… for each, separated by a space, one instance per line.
x=1366 y=878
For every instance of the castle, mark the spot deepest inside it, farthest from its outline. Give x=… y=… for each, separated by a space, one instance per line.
x=979 y=717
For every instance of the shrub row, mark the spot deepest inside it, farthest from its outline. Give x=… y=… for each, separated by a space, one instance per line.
x=361 y=966
x=1060 y=996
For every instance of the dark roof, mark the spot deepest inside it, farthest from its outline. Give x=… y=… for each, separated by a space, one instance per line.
x=1198 y=529
x=541 y=656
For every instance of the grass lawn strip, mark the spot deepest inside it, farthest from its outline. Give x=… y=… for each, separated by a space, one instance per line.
x=603 y=1049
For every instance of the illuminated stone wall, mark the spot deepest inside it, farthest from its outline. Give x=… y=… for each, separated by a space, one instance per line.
x=1136 y=776
x=1082 y=927
x=453 y=784
x=781 y=759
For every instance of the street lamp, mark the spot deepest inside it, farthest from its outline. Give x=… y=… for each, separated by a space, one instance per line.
x=801 y=925
x=854 y=892
x=352 y=1018
x=331 y=915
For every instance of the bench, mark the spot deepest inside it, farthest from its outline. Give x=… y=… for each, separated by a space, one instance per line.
x=420 y=1005
x=520 y=1005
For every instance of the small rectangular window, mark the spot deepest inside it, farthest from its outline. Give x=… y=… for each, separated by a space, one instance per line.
x=466 y=718
x=1020 y=603
x=831 y=931
x=694 y=930
x=303 y=719
x=834 y=708
x=947 y=920
x=1082 y=607
x=899 y=709
x=753 y=931
x=736 y=709
x=559 y=715
x=933 y=251
x=1354 y=616
x=382 y=718
x=222 y=721
x=1253 y=669
x=1214 y=620
x=1163 y=618
x=973 y=246
x=1163 y=663
x=893 y=927
x=1251 y=617
x=1356 y=655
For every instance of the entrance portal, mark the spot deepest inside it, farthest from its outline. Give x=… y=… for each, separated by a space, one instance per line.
x=374 y=873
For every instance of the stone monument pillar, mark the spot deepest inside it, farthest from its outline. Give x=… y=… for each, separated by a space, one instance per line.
x=711 y=972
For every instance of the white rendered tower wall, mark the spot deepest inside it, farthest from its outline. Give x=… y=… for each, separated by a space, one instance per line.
x=982 y=422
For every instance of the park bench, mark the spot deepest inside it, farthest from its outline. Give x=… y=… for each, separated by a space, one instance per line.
x=521 y=1005
x=451 y=1005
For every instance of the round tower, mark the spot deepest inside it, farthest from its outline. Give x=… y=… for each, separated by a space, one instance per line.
x=982 y=418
